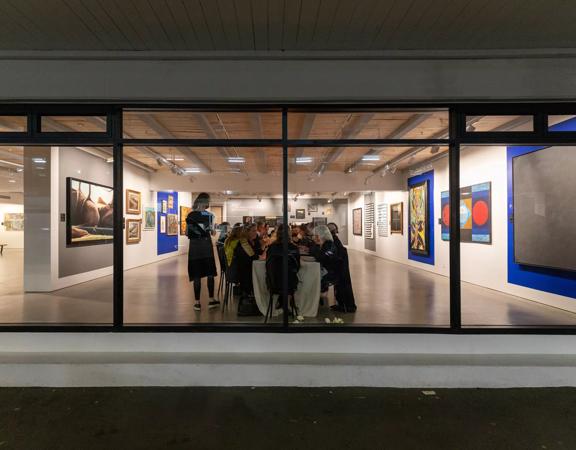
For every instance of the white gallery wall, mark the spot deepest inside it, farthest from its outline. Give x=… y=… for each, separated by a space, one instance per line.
x=481 y=264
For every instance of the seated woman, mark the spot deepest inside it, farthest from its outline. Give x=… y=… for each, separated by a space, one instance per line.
x=326 y=253
x=231 y=242
x=305 y=239
x=274 y=266
x=245 y=252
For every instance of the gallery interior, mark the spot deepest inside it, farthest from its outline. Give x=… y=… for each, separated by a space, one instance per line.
x=390 y=202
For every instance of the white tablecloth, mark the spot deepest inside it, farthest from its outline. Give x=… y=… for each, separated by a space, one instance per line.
x=307 y=295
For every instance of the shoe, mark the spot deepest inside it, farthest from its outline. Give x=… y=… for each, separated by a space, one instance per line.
x=213 y=304
x=342 y=308
x=197 y=307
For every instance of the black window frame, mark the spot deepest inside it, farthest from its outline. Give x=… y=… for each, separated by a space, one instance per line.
x=457 y=135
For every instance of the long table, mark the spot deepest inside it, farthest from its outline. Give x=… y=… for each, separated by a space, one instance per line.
x=307 y=294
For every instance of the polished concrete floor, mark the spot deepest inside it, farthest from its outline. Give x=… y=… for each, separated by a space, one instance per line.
x=287 y=418
x=387 y=293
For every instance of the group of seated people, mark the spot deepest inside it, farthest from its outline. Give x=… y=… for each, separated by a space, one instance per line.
x=242 y=244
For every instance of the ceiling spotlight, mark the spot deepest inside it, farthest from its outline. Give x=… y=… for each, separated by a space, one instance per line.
x=371 y=158
x=393 y=170
x=192 y=170
x=236 y=159
x=470 y=128
x=158 y=161
x=303 y=160
x=434 y=150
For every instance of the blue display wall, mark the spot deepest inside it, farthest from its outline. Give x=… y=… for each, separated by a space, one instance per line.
x=166 y=244
x=555 y=281
x=427 y=176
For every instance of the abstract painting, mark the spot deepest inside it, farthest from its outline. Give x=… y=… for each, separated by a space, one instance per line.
x=149 y=218
x=133 y=202
x=133 y=231
x=173 y=225
x=357 y=222
x=418 y=218
x=184 y=211
x=397 y=218
x=89 y=213
x=14 y=221
x=475 y=214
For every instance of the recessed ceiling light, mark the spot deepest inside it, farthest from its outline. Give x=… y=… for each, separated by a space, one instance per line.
x=303 y=160
x=371 y=158
x=192 y=170
x=236 y=159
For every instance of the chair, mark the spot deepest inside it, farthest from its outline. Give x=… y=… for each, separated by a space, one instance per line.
x=274 y=270
x=225 y=282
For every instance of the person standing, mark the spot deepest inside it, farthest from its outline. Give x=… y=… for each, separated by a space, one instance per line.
x=201 y=264
x=343 y=291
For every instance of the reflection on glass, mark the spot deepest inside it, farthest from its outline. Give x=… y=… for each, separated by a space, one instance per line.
x=74 y=124
x=499 y=123
x=13 y=124
x=50 y=274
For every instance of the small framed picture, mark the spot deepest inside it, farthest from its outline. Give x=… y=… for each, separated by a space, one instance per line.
x=170 y=202
x=133 y=202
x=164 y=206
x=173 y=225
x=133 y=231
x=163 y=224
x=149 y=218
x=300 y=214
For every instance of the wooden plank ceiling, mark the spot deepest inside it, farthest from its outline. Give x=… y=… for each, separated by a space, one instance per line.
x=293 y=25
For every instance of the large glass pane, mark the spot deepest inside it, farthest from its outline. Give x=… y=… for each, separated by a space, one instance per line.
x=363 y=221
x=423 y=124
x=155 y=124
x=164 y=253
x=517 y=236
x=56 y=235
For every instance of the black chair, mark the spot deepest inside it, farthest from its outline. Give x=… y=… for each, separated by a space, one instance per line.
x=274 y=269
x=222 y=261
x=225 y=283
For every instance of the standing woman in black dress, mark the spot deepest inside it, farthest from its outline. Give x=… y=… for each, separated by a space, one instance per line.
x=201 y=264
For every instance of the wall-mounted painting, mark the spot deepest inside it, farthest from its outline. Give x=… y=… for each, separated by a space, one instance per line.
x=316 y=221
x=369 y=221
x=149 y=218
x=382 y=220
x=170 y=202
x=218 y=211
x=312 y=207
x=133 y=202
x=173 y=225
x=184 y=211
x=14 y=221
x=475 y=214
x=89 y=213
x=357 y=222
x=163 y=224
x=164 y=206
x=418 y=219
x=300 y=214
x=133 y=231
x=397 y=218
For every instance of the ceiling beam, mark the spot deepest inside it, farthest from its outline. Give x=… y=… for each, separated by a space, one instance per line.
x=413 y=151
x=348 y=132
x=409 y=125
x=307 y=125
x=260 y=153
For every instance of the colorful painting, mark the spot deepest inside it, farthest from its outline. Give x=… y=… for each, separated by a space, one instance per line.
x=133 y=231
x=89 y=213
x=133 y=202
x=397 y=218
x=14 y=221
x=173 y=225
x=418 y=220
x=149 y=218
x=475 y=214
x=170 y=202
x=357 y=222
x=184 y=211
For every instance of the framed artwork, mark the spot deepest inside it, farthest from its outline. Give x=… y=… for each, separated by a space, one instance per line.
x=218 y=211
x=184 y=211
x=397 y=218
x=170 y=202
x=319 y=221
x=164 y=206
x=173 y=225
x=418 y=219
x=382 y=220
x=300 y=214
x=357 y=222
x=163 y=224
x=369 y=221
x=312 y=208
x=89 y=213
x=133 y=231
x=14 y=221
x=475 y=214
x=133 y=202
x=246 y=219
x=149 y=218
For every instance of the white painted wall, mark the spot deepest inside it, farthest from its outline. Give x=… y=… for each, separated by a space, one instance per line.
x=483 y=265
x=14 y=239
